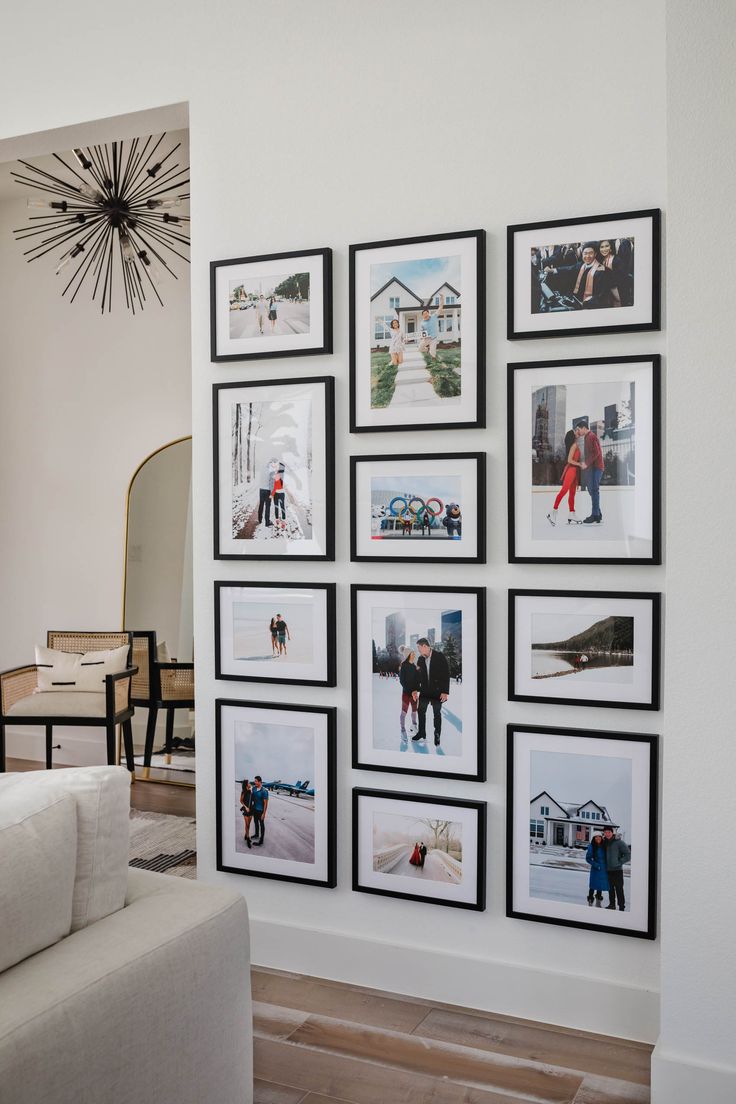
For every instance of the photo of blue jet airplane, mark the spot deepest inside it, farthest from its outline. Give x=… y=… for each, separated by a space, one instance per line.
x=294 y=789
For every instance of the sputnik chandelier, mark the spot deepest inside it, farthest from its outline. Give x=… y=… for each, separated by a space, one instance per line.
x=119 y=218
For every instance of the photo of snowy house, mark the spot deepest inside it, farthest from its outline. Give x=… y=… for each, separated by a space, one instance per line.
x=396 y=300
x=560 y=824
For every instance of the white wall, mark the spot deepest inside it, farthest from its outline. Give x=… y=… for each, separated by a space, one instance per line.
x=83 y=400
x=540 y=110
x=695 y=1058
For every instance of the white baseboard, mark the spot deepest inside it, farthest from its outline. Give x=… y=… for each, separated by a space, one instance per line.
x=562 y=999
x=678 y=1079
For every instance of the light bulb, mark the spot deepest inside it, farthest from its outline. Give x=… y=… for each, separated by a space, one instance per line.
x=150 y=266
x=44 y=204
x=82 y=159
x=90 y=193
x=166 y=201
x=128 y=251
x=79 y=248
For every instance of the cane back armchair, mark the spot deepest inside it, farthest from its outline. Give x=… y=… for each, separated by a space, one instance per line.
x=20 y=704
x=159 y=685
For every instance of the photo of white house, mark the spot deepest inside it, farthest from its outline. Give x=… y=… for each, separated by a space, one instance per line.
x=560 y=824
x=396 y=300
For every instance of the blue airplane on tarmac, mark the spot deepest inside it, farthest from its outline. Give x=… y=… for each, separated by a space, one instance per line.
x=293 y=789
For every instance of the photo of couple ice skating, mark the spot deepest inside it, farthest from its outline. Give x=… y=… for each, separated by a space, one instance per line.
x=274 y=791
x=269 y=306
x=584 y=461
x=579 y=830
x=419 y=508
x=271 y=460
x=417 y=691
x=428 y=848
x=591 y=648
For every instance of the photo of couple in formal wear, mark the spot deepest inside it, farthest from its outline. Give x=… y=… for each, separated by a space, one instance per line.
x=429 y=848
x=585 y=275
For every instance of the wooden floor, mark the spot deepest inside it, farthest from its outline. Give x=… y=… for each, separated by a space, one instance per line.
x=320 y=1042
x=148 y=797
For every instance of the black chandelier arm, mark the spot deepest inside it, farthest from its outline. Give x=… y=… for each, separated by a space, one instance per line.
x=162 y=228
x=150 y=281
x=142 y=244
x=72 y=170
x=99 y=264
x=50 y=176
x=145 y=187
x=87 y=260
x=142 y=162
x=124 y=186
x=39 y=185
x=108 y=281
x=154 y=235
x=94 y=171
x=60 y=239
x=34 y=231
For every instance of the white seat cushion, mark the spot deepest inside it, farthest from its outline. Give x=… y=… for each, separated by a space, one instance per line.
x=38 y=860
x=102 y=797
x=55 y=703
x=70 y=672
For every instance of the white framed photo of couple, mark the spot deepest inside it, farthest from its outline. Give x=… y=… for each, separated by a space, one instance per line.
x=418 y=673
x=417 y=333
x=420 y=848
x=276 y=791
x=273 y=305
x=275 y=632
x=581 y=833
x=592 y=275
x=274 y=470
x=584 y=461
x=421 y=508
x=589 y=648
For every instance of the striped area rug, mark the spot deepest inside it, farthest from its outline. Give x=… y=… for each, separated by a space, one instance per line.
x=164 y=843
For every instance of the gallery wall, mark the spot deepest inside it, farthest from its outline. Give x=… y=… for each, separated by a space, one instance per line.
x=322 y=132
x=85 y=398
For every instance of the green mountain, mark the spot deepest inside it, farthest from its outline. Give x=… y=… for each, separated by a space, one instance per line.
x=612 y=634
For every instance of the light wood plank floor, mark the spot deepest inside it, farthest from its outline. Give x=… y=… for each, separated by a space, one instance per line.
x=148 y=797
x=320 y=1042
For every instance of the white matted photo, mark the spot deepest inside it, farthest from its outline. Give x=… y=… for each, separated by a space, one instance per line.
x=417 y=333
x=274 y=305
x=275 y=782
x=584 y=461
x=275 y=632
x=582 y=829
x=586 y=648
x=274 y=469
x=419 y=848
x=599 y=274
x=418 y=672
x=428 y=508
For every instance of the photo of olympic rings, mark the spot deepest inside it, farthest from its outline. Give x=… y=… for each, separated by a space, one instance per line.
x=412 y=516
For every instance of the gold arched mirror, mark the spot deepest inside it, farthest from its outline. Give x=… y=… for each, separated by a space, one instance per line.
x=157 y=609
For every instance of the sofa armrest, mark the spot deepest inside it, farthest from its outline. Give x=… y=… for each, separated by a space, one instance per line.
x=118 y=689
x=151 y=1001
x=16 y=684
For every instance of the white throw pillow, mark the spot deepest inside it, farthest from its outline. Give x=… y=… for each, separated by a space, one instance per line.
x=38 y=861
x=75 y=671
x=102 y=796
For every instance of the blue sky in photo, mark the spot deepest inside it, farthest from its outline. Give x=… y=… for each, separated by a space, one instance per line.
x=422 y=277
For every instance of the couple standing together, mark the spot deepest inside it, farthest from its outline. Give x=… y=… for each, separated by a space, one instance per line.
x=272 y=490
x=418 y=855
x=584 y=467
x=424 y=683
x=606 y=856
x=254 y=806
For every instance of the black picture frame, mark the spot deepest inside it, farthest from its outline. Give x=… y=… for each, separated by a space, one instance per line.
x=479 y=904
x=655 y=598
x=325 y=347
x=654 y=214
x=330 y=713
x=649 y=931
x=328 y=382
x=399 y=458
x=479 y=421
x=656 y=436
x=479 y=775
x=330 y=632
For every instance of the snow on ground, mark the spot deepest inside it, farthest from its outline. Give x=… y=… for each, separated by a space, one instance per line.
x=387 y=730
x=569 y=886
x=434 y=870
x=617 y=507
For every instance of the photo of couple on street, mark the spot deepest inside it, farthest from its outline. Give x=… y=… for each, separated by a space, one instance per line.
x=583 y=440
x=269 y=306
x=582 y=275
x=417 y=680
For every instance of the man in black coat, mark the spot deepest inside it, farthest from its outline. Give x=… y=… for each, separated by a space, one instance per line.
x=434 y=688
x=589 y=281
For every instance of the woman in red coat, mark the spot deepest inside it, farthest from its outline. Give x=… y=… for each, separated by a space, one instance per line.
x=570 y=478
x=416 y=858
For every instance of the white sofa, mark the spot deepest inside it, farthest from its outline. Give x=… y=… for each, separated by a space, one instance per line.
x=117 y=986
